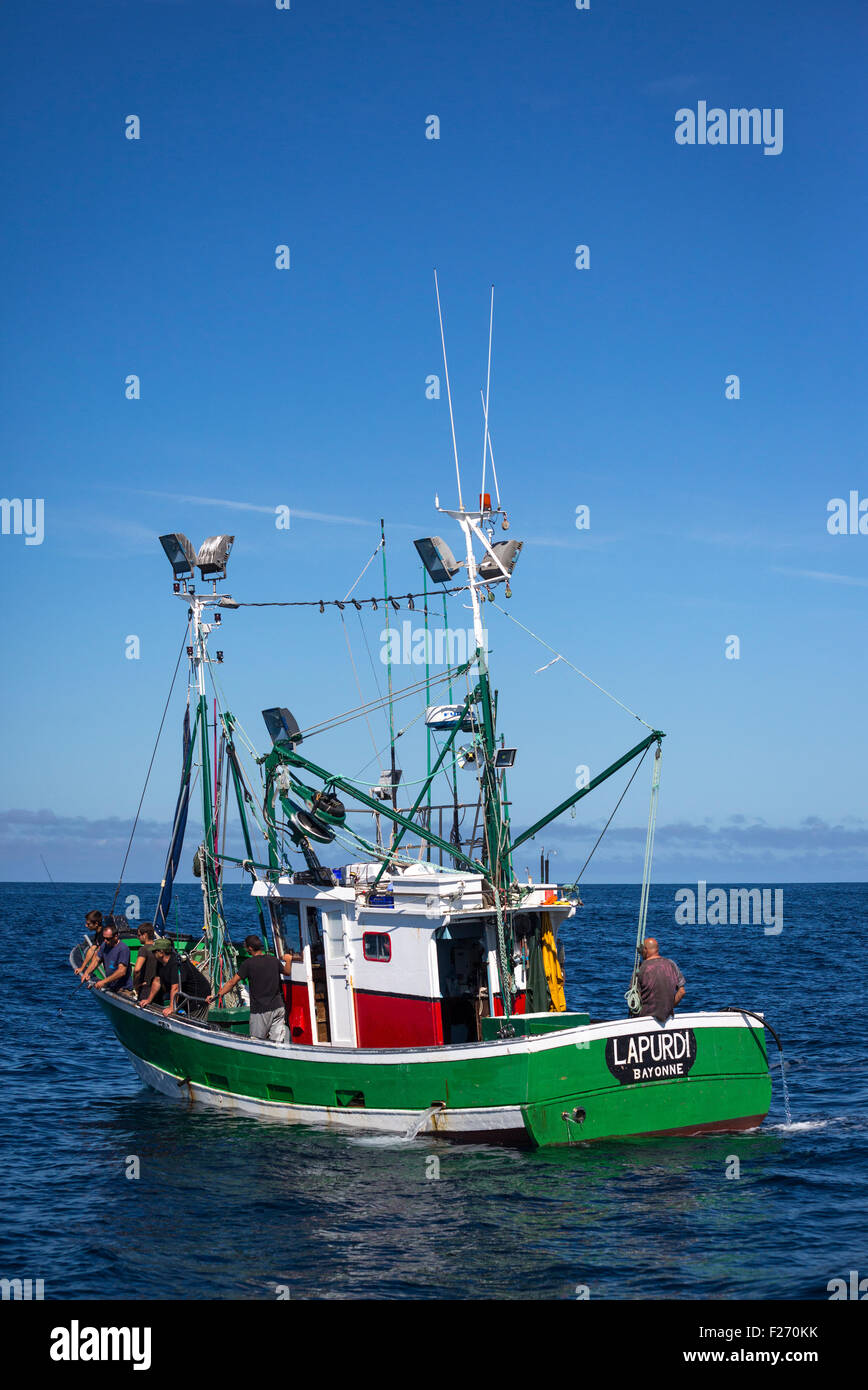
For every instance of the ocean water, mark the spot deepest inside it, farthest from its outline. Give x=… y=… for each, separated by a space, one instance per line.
x=233 y=1208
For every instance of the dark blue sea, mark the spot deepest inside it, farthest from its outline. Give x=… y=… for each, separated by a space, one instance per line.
x=231 y=1208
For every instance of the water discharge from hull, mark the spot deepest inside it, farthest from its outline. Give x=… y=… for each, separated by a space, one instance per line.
x=786 y=1091
x=419 y=1124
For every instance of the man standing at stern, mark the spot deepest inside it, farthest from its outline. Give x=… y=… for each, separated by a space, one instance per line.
x=661 y=983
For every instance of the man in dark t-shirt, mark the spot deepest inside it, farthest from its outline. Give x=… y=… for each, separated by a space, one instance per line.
x=267 y=1006
x=175 y=975
x=661 y=983
x=145 y=967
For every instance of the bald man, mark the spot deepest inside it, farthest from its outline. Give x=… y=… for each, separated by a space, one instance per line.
x=661 y=983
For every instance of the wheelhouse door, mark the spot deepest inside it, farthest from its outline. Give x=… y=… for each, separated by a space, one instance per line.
x=338 y=965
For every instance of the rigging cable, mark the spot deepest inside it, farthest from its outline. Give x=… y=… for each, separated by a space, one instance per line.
x=359 y=688
x=150 y=766
x=569 y=663
x=578 y=877
x=327 y=724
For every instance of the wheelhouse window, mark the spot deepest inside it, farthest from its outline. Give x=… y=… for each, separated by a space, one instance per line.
x=377 y=945
x=286 y=918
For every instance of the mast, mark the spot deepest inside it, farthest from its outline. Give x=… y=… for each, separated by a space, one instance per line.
x=496 y=854
x=389 y=670
x=427 y=700
x=455 y=835
x=211 y=562
x=201 y=631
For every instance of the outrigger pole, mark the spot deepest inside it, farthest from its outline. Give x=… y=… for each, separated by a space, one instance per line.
x=656 y=736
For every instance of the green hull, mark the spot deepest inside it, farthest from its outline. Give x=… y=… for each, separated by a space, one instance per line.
x=551 y=1087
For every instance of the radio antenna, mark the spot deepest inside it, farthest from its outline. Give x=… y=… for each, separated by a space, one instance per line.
x=485 y=401
x=448 y=392
x=491 y=455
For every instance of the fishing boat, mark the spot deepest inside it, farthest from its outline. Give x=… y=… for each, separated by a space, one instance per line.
x=425 y=990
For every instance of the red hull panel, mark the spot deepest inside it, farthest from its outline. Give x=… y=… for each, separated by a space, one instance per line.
x=519 y=1005
x=396 y=1020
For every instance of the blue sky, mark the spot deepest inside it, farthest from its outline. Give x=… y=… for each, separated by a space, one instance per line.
x=306 y=388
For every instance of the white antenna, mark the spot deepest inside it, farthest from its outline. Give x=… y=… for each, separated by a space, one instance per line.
x=485 y=402
x=448 y=393
x=491 y=454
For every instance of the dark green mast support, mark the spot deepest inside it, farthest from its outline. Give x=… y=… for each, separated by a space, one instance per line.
x=209 y=874
x=228 y=721
x=653 y=737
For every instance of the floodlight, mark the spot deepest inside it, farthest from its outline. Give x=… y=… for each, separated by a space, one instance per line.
x=283 y=729
x=504 y=757
x=212 y=557
x=437 y=558
x=180 y=551
x=507 y=553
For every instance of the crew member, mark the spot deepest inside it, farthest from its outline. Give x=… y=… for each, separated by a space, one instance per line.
x=175 y=975
x=115 y=957
x=145 y=967
x=661 y=983
x=92 y=925
x=267 y=1006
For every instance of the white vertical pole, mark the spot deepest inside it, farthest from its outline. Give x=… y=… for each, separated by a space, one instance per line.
x=487 y=392
x=448 y=392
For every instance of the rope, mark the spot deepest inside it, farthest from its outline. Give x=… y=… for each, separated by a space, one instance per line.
x=572 y=667
x=632 y=996
x=150 y=766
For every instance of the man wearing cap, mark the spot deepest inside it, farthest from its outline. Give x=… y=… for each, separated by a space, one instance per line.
x=173 y=976
x=115 y=958
x=267 y=1005
x=145 y=967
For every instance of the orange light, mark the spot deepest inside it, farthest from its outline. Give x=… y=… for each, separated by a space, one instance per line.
x=485 y=501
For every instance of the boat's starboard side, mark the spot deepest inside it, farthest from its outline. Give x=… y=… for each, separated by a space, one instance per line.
x=702 y=1071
